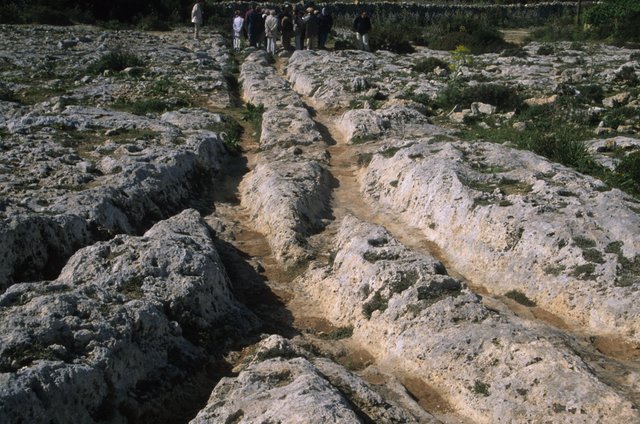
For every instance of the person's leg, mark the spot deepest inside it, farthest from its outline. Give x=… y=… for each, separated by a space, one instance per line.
x=196 y=31
x=322 y=39
x=359 y=41
x=365 y=41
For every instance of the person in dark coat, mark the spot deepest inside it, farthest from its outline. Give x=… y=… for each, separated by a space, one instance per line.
x=286 y=29
x=362 y=27
x=325 y=23
x=298 y=29
x=255 y=26
x=311 y=28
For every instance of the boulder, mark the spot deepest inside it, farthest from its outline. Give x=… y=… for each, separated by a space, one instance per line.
x=121 y=332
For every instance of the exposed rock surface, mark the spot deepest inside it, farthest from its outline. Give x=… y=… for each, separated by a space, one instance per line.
x=139 y=329
x=408 y=312
x=126 y=317
x=510 y=220
x=287 y=193
x=73 y=169
x=280 y=382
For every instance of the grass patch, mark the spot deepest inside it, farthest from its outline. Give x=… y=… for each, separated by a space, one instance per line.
x=253 y=114
x=231 y=132
x=339 y=333
x=428 y=65
x=115 y=60
x=150 y=106
x=480 y=388
x=504 y=98
x=584 y=272
x=584 y=242
x=520 y=297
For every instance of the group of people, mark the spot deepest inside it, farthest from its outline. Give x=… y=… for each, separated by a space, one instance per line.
x=308 y=29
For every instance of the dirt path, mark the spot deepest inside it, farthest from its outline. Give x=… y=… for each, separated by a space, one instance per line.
x=290 y=314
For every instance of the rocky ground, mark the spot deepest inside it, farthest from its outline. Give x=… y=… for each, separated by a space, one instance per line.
x=362 y=261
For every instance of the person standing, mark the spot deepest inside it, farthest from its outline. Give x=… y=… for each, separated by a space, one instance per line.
x=286 y=27
x=298 y=29
x=254 y=25
x=325 y=23
x=271 y=31
x=196 y=18
x=362 y=27
x=238 y=24
x=311 y=29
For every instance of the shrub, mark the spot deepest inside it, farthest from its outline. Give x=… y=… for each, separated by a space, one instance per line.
x=153 y=23
x=545 y=50
x=253 y=114
x=503 y=97
x=591 y=93
x=388 y=37
x=7 y=95
x=11 y=14
x=145 y=106
x=615 y=19
x=628 y=172
x=558 y=29
x=339 y=333
x=230 y=132
x=619 y=115
x=49 y=16
x=429 y=64
x=477 y=36
x=520 y=297
x=115 y=60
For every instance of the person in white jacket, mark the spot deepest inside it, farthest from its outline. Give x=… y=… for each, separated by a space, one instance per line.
x=196 y=18
x=238 y=23
x=271 y=31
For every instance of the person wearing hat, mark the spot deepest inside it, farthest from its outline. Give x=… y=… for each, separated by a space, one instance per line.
x=196 y=18
x=311 y=29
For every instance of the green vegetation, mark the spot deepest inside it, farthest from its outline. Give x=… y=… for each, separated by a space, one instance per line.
x=477 y=35
x=230 y=131
x=480 y=388
x=339 y=333
x=377 y=303
x=614 y=20
x=116 y=60
x=504 y=98
x=146 y=106
x=253 y=114
x=429 y=64
x=520 y=297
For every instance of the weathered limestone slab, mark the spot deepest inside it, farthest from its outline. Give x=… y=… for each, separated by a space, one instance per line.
x=282 y=383
x=359 y=125
x=262 y=86
x=490 y=367
x=510 y=220
x=287 y=193
x=133 y=188
x=123 y=325
x=73 y=169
